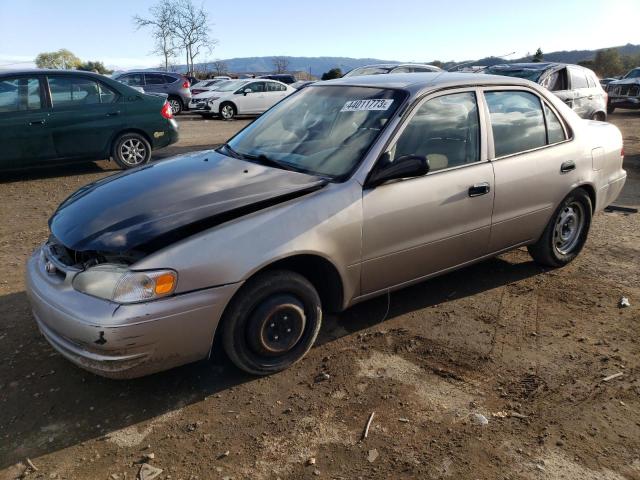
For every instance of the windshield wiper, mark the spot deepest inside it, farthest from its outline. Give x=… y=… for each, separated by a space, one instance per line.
x=231 y=151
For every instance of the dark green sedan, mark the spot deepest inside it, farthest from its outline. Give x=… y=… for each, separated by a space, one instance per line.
x=68 y=115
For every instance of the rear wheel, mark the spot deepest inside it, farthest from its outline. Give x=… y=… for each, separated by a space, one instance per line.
x=566 y=232
x=599 y=116
x=272 y=322
x=176 y=105
x=227 y=111
x=131 y=150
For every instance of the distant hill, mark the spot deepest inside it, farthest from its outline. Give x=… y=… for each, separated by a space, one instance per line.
x=315 y=65
x=318 y=65
x=564 y=56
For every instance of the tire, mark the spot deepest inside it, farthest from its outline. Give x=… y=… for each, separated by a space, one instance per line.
x=176 y=105
x=599 y=117
x=228 y=111
x=566 y=232
x=131 y=150
x=610 y=109
x=272 y=322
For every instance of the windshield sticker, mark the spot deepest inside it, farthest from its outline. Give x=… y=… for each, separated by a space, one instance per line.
x=367 y=105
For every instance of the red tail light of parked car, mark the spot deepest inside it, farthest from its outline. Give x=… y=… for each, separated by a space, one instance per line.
x=166 y=111
x=186 y=84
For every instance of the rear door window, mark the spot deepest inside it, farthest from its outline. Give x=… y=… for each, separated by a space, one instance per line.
x=169 y=79
x=154 y=79
x=578 y=79
x=20 y=94
x=67 y=91
x=517 y=121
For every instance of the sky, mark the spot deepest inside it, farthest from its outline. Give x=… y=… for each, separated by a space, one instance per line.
x=404 y=30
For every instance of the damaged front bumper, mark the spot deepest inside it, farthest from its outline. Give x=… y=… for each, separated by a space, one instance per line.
x=624 y=95
x=122 y=341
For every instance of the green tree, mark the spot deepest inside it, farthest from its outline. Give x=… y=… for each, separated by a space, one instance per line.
x=608 y=63
x=538 y=56
x=62 y=59
x=331 y=74
x=96 y=66
x=437 y=63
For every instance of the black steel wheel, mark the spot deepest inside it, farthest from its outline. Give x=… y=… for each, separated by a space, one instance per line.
x=566 y=232
x=272 y=322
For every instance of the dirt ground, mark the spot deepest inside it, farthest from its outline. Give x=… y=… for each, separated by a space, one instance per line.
x=526 y=348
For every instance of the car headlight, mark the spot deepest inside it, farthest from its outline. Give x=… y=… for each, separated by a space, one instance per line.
x=121 y=285
x=213 y=99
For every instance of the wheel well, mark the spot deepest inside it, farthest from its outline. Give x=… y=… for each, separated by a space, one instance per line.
x=320 y=272
x=592 y=195
x=124 y=132
x=176 y=97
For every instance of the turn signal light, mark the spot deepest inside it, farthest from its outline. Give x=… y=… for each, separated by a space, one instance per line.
x=165 y=283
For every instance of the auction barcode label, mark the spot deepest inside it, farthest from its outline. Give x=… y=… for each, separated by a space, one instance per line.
x=367 y=105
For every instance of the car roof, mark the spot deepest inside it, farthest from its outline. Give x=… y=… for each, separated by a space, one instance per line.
x=419 y=81
x=161 y=72
x=45 y=71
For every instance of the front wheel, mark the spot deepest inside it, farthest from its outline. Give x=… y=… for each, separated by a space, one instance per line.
x=131 y=150
x=272 y=322
x=566 y=232
x=610 y=109
x=227 y=111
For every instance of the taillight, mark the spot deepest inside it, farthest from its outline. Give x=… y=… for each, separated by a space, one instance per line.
x=186 y=84
x=166 y=111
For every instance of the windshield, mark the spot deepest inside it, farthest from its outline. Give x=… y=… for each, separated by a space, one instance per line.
x=635 y=73
x=230 y=85
x=321 y=130
x=532 y=74
x=369 y=71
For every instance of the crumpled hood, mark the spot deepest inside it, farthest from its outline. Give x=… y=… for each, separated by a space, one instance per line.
x=171 y=199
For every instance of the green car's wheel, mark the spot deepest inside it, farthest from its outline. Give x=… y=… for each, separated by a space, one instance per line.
x=131 y=150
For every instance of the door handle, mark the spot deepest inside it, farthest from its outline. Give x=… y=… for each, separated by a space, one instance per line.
x=36 y=123
x=113 y=114
x=567 y=166
x=479 y=189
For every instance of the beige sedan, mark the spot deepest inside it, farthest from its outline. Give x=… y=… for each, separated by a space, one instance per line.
x=343 y=191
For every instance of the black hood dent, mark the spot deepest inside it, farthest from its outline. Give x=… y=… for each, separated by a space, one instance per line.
x=161 y=203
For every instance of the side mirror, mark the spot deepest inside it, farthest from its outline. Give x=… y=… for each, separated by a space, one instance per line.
x=246 y=90
x=407 y=166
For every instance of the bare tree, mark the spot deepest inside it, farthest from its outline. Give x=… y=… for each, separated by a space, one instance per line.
x=220 y=67
x=191 y=28
x=161 y=21
x=280 y=64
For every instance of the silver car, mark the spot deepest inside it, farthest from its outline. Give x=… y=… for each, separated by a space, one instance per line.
x=576 y=86
x=343 y=191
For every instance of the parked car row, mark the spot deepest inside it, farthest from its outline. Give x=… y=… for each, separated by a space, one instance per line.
x=239 y=97
x=68 y=115
x=174 y=85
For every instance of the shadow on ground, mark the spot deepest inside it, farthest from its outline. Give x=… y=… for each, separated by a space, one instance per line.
x=47 y=404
